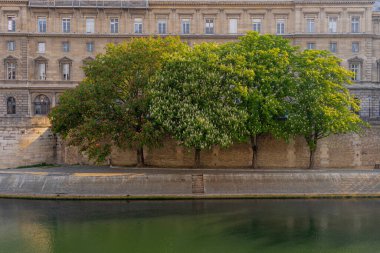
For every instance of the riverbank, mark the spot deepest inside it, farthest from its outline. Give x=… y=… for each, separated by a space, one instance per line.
x=83 y=182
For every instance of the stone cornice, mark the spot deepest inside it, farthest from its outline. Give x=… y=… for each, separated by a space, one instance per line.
x=188 y=36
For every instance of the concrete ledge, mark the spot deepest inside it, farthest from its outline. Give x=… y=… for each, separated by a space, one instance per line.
x=104 y=183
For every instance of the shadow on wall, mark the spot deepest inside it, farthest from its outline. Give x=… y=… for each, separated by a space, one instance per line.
x=26 y=143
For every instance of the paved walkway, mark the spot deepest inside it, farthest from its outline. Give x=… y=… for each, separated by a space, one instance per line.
x=135 y=183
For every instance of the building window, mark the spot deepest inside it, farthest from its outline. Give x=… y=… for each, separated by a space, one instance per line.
x=90 y=25
x=280 y=26
x=310 y=25
x=90 y=47
x=185 y=26
x=232 y=25
x=41 y=24
x=114 y=22
x=256 y=25
x=66 y=71
x=41 y=71
x=355 y=47
x=138 y=26
x=333 y=47
x=333 y=24
x=41 y=105
x=355 y=24
x=66 y=25
x=65 y=46
x=11 y=105
x=310 y=45
x=209 y=29
x=162 y=26
x=11 y=24
x=41 y=47
x=355 y=67
x=11 y=70
x=11 y=45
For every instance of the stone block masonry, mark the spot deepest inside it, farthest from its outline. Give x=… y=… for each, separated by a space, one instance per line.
x=28 y=141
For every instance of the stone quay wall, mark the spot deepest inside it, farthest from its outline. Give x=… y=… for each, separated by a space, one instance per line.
x=29 y=141
x=26 y=141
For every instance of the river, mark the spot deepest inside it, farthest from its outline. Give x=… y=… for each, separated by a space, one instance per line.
x=209 y=226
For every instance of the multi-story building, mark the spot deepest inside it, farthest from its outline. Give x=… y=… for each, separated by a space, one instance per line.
x=45 y=42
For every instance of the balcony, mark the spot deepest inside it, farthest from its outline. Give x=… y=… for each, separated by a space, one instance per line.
x=100 y=4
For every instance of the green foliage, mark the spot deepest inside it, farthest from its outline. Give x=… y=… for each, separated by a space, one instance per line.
x=111 y=106
x=321 y=103
x=195 y=100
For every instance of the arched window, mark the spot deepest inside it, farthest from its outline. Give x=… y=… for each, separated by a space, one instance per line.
x=41 y=105
x=11 y=105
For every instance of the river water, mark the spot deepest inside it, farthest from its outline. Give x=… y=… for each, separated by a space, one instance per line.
x=230 y=226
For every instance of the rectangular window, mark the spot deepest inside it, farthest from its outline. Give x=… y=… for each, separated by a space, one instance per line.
x=66 y=25
x=310 y=25
x=66 y=71
x=355 y=68
x=162 y=26
x=232 y=25
x=185 y=26
x=41 y=24
x=209 y=26
x=11 y=24
x=11 y=71
x=114 y=22
x=90 y=25
x=65 y=46
x=333 y=24
x=138 y=26
x=41 y=47
x=280 y=26
x=355 y=24
x=256 y=25
x=311 y=45
x=90 y=47
x=355 y=47
x=11 y=45
x=41 y=71
x=333 y=47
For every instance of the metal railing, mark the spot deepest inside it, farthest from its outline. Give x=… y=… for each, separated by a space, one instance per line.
x=90 y=3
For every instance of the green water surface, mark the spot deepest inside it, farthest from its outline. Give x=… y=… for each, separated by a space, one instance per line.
x=209 y=226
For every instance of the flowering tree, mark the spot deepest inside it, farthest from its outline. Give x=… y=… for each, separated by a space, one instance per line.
x=195 y=100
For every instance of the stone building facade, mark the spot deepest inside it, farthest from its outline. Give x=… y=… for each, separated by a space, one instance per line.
x=44 y=43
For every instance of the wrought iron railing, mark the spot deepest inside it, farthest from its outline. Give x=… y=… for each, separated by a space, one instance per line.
x=90 y=3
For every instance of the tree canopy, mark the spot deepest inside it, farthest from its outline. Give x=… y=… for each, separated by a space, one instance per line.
x=111 y=106
x=195 y=100
x=137 y=92
x=321 y=103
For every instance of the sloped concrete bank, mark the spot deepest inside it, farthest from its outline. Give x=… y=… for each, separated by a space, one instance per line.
x=90 y=183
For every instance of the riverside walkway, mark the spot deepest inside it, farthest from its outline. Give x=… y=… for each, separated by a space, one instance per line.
x=86 y=182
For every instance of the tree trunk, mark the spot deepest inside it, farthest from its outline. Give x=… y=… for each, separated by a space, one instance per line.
x=312 y=142
x=254 y=151
x=311 y=158
x=197 y=158
x=140 y=157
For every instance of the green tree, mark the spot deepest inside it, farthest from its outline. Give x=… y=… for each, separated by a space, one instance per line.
x=322 y=105
x=111 y=106
x=263 y=68
x=195 y=100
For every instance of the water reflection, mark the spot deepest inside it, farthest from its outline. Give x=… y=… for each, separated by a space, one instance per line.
x=190 y=226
